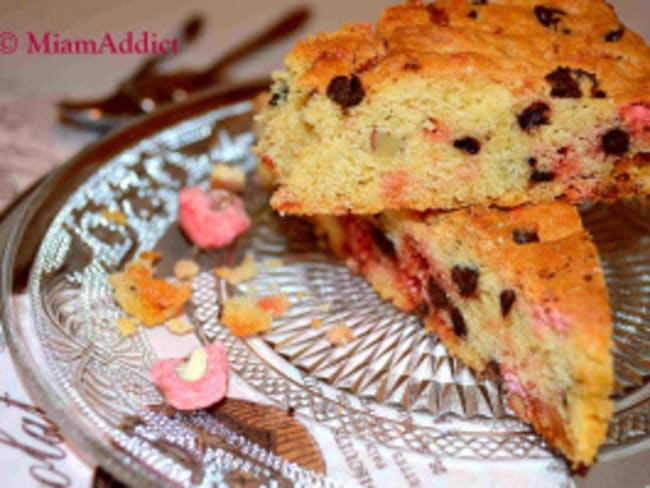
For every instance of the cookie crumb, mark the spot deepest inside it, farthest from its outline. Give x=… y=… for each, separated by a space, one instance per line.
x=152 y=257
x=179 y=326
x=126 y=326
x=244 y=317
x=115 y=216
x=238 y=274
x=276 y=305
x=339 y=334
x=323 y=307
x=186 y=269
x=227 y=177
x=149 y=300
x=273 y=263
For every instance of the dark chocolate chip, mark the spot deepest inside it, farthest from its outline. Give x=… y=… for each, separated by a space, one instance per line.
x=473 y=14
x=599 y=94
x=642 y=158
x=532 y=162
x=346 y=91
x=422 y=309
x=384 y=244
x=548 y=17
x=291 y=411
x=493 y=368
x=524 y=236
x=279 y=95
x=615 y=35
x=566 y=31
x=437 y=15
x=507 y=299
x=437 y=295
x=468 y=144
x=466 y=279
x=411 y=66
x=534 y=115
x=460 y=327
x=541 y=176
x=478 y=2
x=563 y=84
x=616 y=142
x=587 y=277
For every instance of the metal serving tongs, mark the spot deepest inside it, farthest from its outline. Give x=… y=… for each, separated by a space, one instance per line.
x=147 y=89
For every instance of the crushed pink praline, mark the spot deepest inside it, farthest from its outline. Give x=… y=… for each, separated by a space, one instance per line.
x=211 y=219
x=193 y=395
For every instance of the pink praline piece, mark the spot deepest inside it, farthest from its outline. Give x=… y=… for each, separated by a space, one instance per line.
x=211 y=219
x=193 y=395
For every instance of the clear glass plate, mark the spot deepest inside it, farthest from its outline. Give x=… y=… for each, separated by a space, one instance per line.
x=300 y=408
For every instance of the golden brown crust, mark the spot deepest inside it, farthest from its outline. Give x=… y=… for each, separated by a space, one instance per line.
x=506 y=43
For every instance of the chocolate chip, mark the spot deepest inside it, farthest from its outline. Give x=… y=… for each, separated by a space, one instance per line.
x=507 y=299
x=642 y=158
x=524 y=236
x=422 y=309
x=563 y=85
x=599 y=94
x=437 y=295
x=548 y=17
x=468 y=144
x=615 y=35
x=291 y=411
x=466 y=279
x=616 y=142
x=493 y=368
x=346 y=91
x=534 y=115
x=437 y=15
x=411 y=66
x=478 y=2
x=473 y=14
x=532 y=162
x=541 y=176
x=460 y=327
x=279 y=95
x=384 y=244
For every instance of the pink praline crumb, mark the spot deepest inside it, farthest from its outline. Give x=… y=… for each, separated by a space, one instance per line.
x=637 y=118
x=512 y=385
x=193 y=395
x=211 y=219
x=545 y=317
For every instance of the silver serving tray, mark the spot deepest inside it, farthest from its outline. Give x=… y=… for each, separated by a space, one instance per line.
x=393 y=390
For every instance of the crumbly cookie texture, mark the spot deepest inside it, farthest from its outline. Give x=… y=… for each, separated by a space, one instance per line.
x=519 y=292
x=461 y=102
x=152 y=301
